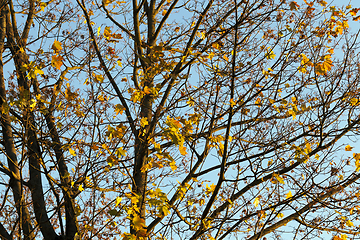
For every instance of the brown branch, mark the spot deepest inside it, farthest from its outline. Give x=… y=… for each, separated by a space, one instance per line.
x=107 y=72
x=15 y=184
x=28 y=23
x=3 y=233
x=296 y=215
x=163 y=20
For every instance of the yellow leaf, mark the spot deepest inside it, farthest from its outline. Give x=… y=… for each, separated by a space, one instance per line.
x=144 y=122
x=72 y=152
x=138 y=223
x=226 y=58
x=42 y=6
x=182 y=150
x=354 y=101
x=270 y=54
x=120 y=152
x=349 y=223
x=279 y=178
x=98 y=31
x=38 y=71
x=288 y=195
x=348 y=148
x=32 y=104
x=119 y=63
x=292 y=113
x=147 y=90
x=81 y=188
x=211 y=55
x=118 y=200
x=280 y=215
x=56 y=46
x=173 y=165
x=99 y=78
x=343 y=236
x=256 y=202
x=210 y=189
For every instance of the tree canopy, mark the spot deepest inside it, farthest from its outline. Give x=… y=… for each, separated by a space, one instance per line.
x=179 y=119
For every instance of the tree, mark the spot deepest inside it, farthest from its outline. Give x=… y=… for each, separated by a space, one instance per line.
x=178 y=119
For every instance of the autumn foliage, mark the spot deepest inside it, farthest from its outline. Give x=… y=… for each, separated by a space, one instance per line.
x=169 y=119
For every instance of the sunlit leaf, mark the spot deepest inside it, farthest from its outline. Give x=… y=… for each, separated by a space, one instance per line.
x=56 y=46
x=348 y=148
x=288 y=195
x=56 y=61
x=72 y=152
x=256 y=202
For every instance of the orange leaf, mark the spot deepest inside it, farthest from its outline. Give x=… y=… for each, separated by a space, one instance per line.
x=56 y=61
x=356 y=156
x=348 y=148
x=354 y=11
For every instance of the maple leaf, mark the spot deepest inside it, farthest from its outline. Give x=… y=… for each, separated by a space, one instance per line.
x=118 y=200
x=99 y=78
x=279 y=178
x=348 y=148
x=294 y=6
x=138 y=223
x=43 y=5
x=119 y=109
x=56 y=46
x=107 y=33
x=72 y=152
x=288 y=195
x=120 y=152
x=270 y=54
x=349 y=223
x=56 y=61
x=114 y=212
x=144 y=122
